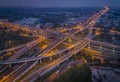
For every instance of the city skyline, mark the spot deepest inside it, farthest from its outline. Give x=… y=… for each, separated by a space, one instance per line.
x=59 y=3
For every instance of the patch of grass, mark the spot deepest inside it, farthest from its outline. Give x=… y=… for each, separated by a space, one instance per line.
x=11 y=37
x=44 y=77
x=76 y=74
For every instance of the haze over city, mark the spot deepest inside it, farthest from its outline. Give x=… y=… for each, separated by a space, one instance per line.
x=58 y=3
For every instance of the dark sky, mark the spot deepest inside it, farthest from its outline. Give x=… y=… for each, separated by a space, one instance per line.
x=58 y=3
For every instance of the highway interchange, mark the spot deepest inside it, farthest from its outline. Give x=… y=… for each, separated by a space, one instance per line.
x=25 y=64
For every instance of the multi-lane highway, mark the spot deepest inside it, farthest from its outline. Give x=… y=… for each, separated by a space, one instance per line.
x=50 y=47
x=32 y=61
x=41 y=71
x=16 y=48
x=55 y=63
x=20 y=53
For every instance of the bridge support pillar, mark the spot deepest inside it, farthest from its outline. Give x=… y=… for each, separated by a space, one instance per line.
x=102 y=61
x=69 y=40
x=39 y=61
x=89 y=46
x=25 y=63
x=50 y=58
x=100 y=47
x=113 y=51
x=59 y=55
x=92 y=58
x=10 y=65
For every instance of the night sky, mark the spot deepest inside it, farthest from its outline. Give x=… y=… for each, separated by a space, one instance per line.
x=58 y=3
